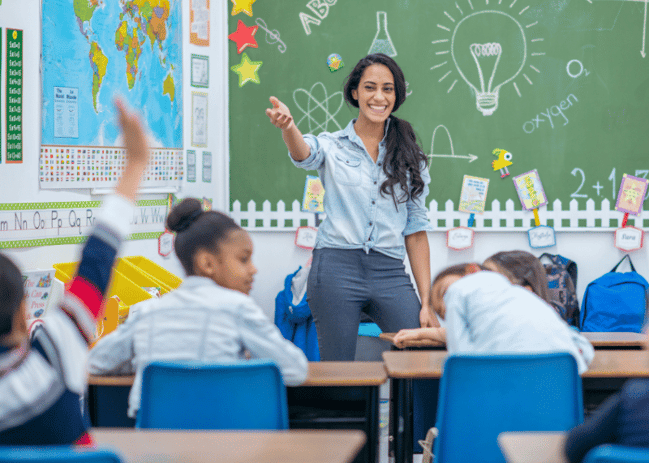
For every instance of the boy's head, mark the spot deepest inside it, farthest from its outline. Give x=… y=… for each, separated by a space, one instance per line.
x=12 y=317
x=521 y=268
x=446 y=278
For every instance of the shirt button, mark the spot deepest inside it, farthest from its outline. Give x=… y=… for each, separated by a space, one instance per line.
x=370 y=224
x=374 y=182
x=379 y=164
x=373 y=202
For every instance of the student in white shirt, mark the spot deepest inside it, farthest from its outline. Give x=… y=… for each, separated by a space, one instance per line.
x=483 y=311
x=209 y=318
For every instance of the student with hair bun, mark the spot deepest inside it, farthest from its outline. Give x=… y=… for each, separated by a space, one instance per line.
x=210 y=317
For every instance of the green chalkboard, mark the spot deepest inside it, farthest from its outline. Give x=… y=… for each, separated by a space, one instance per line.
x=569 y=95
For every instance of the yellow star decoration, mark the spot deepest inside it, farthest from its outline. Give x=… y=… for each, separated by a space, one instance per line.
x=242 y=6
x=631 y=195
x=247 y=70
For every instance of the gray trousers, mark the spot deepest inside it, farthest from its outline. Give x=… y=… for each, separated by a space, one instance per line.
x=345 y=282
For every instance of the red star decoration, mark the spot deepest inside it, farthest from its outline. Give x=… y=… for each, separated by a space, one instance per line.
x=244 y=36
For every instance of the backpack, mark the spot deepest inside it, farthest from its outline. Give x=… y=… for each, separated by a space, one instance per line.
x=562 y=284
x=615 y=301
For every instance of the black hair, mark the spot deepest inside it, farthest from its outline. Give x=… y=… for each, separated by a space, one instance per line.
x=524 y=269
x=11 y=293
x=197 y=229
x=403 y=154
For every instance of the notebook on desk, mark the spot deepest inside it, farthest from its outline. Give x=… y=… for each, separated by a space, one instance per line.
x=532 y=447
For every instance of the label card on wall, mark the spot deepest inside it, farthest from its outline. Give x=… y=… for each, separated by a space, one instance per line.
x=542 y=236
x=459 y=238
x=629 y=239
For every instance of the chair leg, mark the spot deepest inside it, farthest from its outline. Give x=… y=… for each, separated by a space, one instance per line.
x=427 y=445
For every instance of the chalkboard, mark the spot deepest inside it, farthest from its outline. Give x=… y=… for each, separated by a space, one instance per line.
x=569 y=92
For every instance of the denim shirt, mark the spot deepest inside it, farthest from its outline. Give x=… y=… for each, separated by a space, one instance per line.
x=358 y=215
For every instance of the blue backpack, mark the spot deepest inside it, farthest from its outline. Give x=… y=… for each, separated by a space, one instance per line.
x=615 y=302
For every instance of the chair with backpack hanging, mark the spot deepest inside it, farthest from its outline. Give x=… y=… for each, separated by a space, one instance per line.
x=615 y=302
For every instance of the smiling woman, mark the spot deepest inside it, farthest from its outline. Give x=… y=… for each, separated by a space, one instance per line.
x=376 y=181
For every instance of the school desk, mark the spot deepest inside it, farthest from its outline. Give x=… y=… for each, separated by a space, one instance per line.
x=144 y=446
x=335 y=395
x=608 y=371
x=533 y=447
x=598 y=340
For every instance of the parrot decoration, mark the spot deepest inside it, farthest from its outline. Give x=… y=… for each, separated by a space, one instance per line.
x=504 y=160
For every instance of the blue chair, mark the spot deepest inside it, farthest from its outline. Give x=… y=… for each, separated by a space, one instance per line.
x=240 y=395
x=481 y=396
x=56 y=454
x=610 y=453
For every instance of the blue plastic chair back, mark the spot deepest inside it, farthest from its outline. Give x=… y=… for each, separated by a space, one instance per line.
x=56 y=454
x=610 y=453
x=481 y=396
x=241 y=395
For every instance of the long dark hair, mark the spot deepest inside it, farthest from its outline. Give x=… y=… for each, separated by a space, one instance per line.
x=403 y=154
x=197 y=229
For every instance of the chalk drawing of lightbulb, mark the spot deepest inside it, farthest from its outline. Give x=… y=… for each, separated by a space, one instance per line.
x=489 y=49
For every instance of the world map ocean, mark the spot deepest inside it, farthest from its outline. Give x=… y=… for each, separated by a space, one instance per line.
x=106 y=48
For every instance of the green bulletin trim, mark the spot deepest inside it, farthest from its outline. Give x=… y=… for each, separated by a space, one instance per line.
x=72 y=239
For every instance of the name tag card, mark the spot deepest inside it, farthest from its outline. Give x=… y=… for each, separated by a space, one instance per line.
x=459 y=238
x=542 y=236
x=629 y=239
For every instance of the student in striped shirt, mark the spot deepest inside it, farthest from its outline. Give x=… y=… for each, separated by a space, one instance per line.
x=43 y=379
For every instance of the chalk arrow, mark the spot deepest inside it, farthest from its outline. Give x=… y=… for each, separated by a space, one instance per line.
x=470 y=157
x=644 y=30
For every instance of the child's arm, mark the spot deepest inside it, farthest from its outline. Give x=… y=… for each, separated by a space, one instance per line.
x=264 y=341
x=419 y=334
x=600 y=428
x=83 y=299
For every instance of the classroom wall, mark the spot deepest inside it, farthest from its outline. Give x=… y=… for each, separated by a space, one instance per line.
x=19 y=182
x=276 y=256
x=275 y=252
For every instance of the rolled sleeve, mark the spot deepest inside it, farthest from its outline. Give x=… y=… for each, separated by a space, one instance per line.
x=316 y=157
x=417 y=212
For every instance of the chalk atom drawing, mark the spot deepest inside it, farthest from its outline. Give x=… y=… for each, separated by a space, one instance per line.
x=318 y=108
x=484 y=60
x=382 y=42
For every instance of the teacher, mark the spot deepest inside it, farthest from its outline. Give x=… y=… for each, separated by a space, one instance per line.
x=376 y=180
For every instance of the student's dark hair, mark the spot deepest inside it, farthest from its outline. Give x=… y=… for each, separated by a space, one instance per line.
x=459 y=270
x=197 y=229
x=524 y=269
x=11 y=293
x=403 y=154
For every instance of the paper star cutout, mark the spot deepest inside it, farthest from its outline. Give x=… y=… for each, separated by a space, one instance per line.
x=247 y=70
x=244 y=36
x=242 y=5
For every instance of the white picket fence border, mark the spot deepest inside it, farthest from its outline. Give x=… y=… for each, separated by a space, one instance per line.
x=509 y=219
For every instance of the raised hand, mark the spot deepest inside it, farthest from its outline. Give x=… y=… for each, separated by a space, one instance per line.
x=279 y=114
x=137 y=151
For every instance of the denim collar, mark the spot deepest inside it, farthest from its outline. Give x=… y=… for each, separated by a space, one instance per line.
x=351 y=134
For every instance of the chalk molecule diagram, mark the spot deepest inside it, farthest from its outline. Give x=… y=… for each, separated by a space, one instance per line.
x=317 y=112
x=484 y=64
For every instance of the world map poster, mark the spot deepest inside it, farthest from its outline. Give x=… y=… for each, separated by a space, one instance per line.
x=93 y=51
